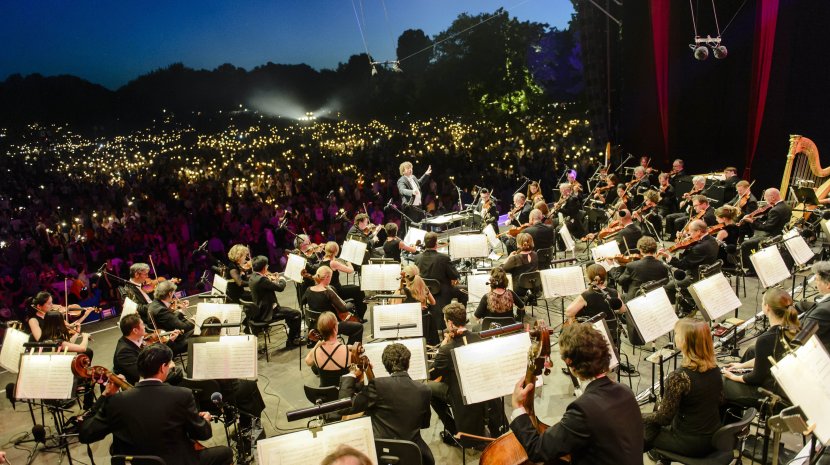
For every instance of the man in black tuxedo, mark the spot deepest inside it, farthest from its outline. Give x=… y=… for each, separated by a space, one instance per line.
x=434 y=265
x=704 y=251
x=678 y=171
x=571 y=209
x=668 y=198
x=730 y=179
x=168 y=319
x=820 y=311
x=630 y=233
x=638 y=272
x=542 y=234
x=489 y=215
x=520 y=213
x=125 y=359
x=412 y=195
x=603 y=426
x=399 y=407
x=154 y=418
x=751 y=204
x=263 y=291
x=771 y=224
x=139 y=272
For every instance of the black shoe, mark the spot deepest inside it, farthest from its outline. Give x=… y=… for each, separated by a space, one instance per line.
x=364 y=320
x=448 y=439
x=294 y=343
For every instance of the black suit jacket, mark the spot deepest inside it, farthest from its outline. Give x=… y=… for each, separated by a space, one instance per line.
x=603 y=426
x=399 y=407
x=821 y=315
x=151 y=419
x=542 y=234
x=668 y=201
x=639 y=272
x=468 y=418
x=751 y=204
x=125 y=360
x=435 y=265
x=704 y=252
x=629 y=235
x=263 y=291
x=524 y=215
x=167 y=319
x=134 y=293
x=776 y=219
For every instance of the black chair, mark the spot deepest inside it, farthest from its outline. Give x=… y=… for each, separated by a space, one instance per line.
x=545 y=257
x=433 y=285
x=529 y=287
x=202 y=392
x=734 y=266
x=320 y=394
x=137 y=460
x=397 y=452
x=488 y=321
x=261 y=327
x=726 y=442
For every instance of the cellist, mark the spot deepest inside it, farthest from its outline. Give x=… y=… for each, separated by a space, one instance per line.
x=602 y=426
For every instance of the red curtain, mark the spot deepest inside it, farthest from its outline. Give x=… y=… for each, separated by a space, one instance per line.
x=765 y=21
x=660 y=10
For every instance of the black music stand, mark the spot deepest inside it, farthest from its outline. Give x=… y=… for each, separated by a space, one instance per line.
x=806 y=195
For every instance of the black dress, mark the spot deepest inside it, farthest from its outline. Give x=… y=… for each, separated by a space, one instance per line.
x=518 y=264
x=596 y=304
x=767 y=345
x=236 y=292
x=330 y=376
x=347 y=291
x=329 y=301
x=430 y=331
x=392 y=249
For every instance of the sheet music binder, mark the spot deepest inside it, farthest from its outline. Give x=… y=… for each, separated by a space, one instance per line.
x=227 y=313
x=490 y=369
x=310 y=446
x=45 y=376
x=417 y=363
x=601 y=326
x=653 y=314
x=770 y=266
x=12 y=349
x=714 y=296
x=234 y=360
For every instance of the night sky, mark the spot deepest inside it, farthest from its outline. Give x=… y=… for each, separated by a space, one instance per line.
x=113 y=42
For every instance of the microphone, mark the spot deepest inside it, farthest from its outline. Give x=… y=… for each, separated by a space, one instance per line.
x=493 y=198
x=10 y=394
x=101 y=269
x=203 y=246
x=216 y=398
x=388 y=205
x=204 y=279
x=39 y=432
x=319 y=409
x=330 y=194
x=679 y=275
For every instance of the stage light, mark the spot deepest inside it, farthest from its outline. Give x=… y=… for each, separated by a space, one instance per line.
x=720 y=52
x=701 y=53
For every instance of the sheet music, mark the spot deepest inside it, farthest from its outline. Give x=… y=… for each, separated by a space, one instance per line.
x=12 y=349
x=653 y=314
x=381 y=277
x=45 y=376
x=803 y=377
x=294 y=267
x=413 y=235
x=390 y=315
x=469 y=246
x=353 y=251
x=602 y=327
x=562 y=282
x=603 y=251
x=567 y=238
x=797 y=247
x=715 y=296
x=417 y=362
x=477 y=286
x=490 y=233
x=129 y=307
x=769 y=266
x=490 y=369
x=220 y=285
x=227 y=313
x=230 y=357
x=825 y=228
x=304 y=447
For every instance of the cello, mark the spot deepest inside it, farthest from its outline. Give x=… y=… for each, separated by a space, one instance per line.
x=506 y=449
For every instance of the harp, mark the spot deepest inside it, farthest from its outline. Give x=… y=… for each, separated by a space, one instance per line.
x=803 y=169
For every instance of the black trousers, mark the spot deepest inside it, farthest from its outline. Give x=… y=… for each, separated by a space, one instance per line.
x=352 y=330
x=668 y=439
x=293 y=319
x=219 y=455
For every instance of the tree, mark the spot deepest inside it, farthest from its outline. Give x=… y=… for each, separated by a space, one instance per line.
x=415 y=49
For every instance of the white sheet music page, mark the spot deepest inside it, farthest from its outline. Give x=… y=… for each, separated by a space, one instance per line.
x=715 y=296
x=477 y=286
x=294 y=267
x=230 y=357
x=12 y=349
x=803 y=377
x=413 y=235
x=602 y=327
x=562 y=282
x=770 y=266
x=417 y=361
x=653 y=314
x=302 y=447
x=825 y=228
x=45 y=376
x=129 y=307
x=220 y=285
x=227 y=313
x=567 y=238
x=469 y=246
x=604 y=251
x=353 y=251
x=490 y=369
x=391 y=315
x=797 y=247
x=381 y=277
x=490 y=233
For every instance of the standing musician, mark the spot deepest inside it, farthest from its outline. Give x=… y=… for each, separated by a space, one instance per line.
x=702 y=251
x=668 y=199
x=393 y=246
x=322 y=298
x=169 y=318
x=534 y=193
x=520 y=213
x=438 y=266
x=411 y=190
x=487 y=209
x=139 y=273
x=346 y=291
x=154 y=418
x=630 y=233
x=239 y=270
x=264 y=288
x=775 y=219
x=603 y=426
x=635 y=273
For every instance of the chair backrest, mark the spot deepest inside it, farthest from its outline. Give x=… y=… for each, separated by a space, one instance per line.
x=489 y=321
x=311 y=318
x=529 y=280
x=323 y=394
x=433 y=285
x=726 y=437
x=137 y=460
x=397 y=451
x=202 y=391
x=545 y=257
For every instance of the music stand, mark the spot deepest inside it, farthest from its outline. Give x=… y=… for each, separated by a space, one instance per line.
x=806 y=195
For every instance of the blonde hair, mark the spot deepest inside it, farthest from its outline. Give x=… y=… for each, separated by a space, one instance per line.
x=322 y=273
x=331 y=249
x=237 y=253
x=403 y=167
x=416 y=285
x=696 y=346
x=525 y=242
x=326 y=324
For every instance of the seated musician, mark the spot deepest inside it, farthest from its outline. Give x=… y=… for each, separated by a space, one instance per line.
x=499 y=302
x=702 y=251
x=435 y=265
x=168 y=318
x=744 y=198
x=542 y=234
x=603 y=426
x=393 y=246
x=489 y=212
x=523 y=260
x=769 y=225
x=416 y=290
x=399 y=406
x=668 y=198
x=323 y=298
x=363 y=230
x=630 y=233
x=239 y=271
x=264 y=287
x=742 y=389
x=447 y=392
x=639 y=184
x=125 y=358
x=329 y=359
x=819 y=311
x=689 y=413
x=42 y=304
x=346 y=291
x=676 y=221
x=576 y=186
x=534 y=193
x=609 y=192
x=730 y=180
x=139 y=272
x=678 y=170
x=571 y=210
x=647 y=215
x=598 y=299
x=729 y=236
x=54 y=329
x=311 y=252
x=154 y=418
x=635 y=273
x=520 y=214
x=621 y=202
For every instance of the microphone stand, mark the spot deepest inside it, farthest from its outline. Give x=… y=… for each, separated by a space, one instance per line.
x=409 y=221
x=522 y=186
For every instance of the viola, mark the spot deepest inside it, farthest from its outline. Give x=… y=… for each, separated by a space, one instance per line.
x=714 y=229
x=358 y=358
x=685 y=244
x=162 y=337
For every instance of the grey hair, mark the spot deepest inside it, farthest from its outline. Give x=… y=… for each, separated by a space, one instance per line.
x=822 y=270
x=136 y=268
x=699 y=179
x=536 y=214
x=164 y=289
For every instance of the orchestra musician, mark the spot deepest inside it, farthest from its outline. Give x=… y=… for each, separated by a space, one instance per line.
x=346 y=291
x=329 y=358
x=641 y=179
x=42 y=304
x=598 y=299
x=323 y=298
x=534 y=193
x=411 y=190
x=603 y=426
x=435 y=265
x=264 y=288
x=499 y=302
x=730 y=179
x=730 y=233
x=630 y=233
x=576 y=186
x=393 y=246
x=139 y=273
x=154 y=418
x=676 y=221
x=678 y=171
x=487 y=209
x=571 y=209
x=543 y=235
x=364 y=231
x=668 y=199
x=398 y=406
x=607 y=194
x=702 y=251
x=169 y=318
x=819 y=311
x=744 y=198
x=129 y=345
x=54 y=329
x=520 y=214
x=775 y=219
x=523 y=260
x=239 y=271
x=346 y=455
x=635 y=273
x=416 y=290
x=648 y=212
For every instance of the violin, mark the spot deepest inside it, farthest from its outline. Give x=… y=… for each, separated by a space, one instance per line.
x=622 y=259
x=613 y=228
x=685 y=243
x=76 y=311
x=149 y=285
x=359 y=360
x=756 y=213
x=162 y=337
x=515 y=230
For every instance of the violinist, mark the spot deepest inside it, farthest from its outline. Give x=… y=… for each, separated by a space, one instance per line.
x=489 y=212
x=55 y=330
x=398 y=406
x=543 y=235
x=668 y=200
x=264 y=288
x=648 y=212
x=607 y=194
x=499 y=302
x=139 y=273
x=347 y=291
x=635 y=273
x=576 y=186
x=701 y=210
x=169 y=318
x=571 y=209
x=603 y=426
x=520 y=213
x=771 y=224
x=730 y=180
x=125 y=358
x=42 y=304
x=640 y=179
x=239 y=272
x=678 y=171
x=534 y=193
x=523 y=260
x=702 y=249
x=629 y=234
x=622 y=200
x=393 y=246
x=363 y=230
x=435 y=265
x=597 y=299
x=730 y=233
x=744 y=199
x=416 y=290
x=323 y=298
x=676 y=221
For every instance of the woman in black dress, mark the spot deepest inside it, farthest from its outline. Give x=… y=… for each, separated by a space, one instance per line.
x=416 y=290
x=393 y=246
x=523 y=260
x=329 y=358
x=347 y=291
x=499 y=302
x=322 y=298
x=729 y=235
x=238 y=271
x=597 y=299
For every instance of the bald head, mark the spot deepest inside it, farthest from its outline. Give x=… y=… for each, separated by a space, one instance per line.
x=772 y=195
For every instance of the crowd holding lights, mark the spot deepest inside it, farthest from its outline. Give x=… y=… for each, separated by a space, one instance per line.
x=75 y=200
